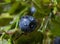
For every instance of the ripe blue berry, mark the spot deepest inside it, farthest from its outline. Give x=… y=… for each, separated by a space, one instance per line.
x=27 y=23
x=32 y=10
x=56 y=40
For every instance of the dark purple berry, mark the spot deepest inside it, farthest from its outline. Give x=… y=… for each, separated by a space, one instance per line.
x=56 y=40
x=27 y=23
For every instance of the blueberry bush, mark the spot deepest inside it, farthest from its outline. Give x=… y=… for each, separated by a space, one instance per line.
x=29 y=21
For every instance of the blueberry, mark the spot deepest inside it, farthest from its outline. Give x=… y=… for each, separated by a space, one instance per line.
x=27 y=23
x=56 y=40
x=33 y=9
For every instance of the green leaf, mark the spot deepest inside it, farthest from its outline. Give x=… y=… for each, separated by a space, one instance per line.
x=56 y=26
x=7 y=1
x=30 y=38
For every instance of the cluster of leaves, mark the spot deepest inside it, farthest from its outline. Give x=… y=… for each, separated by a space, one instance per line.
x=47 y=15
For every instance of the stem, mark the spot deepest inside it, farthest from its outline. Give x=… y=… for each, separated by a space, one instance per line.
x=2 y=37
x=46 y=22
x=42 y=24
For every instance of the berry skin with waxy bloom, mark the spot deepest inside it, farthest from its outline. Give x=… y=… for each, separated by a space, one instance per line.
x=27 y=23
x=33 y=9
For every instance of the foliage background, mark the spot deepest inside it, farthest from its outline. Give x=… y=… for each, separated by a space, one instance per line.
x=48 y=26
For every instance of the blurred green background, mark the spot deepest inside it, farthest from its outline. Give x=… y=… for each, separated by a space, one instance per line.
x=47 y=28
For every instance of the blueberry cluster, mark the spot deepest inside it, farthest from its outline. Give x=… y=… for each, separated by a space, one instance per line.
x=27 y=23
